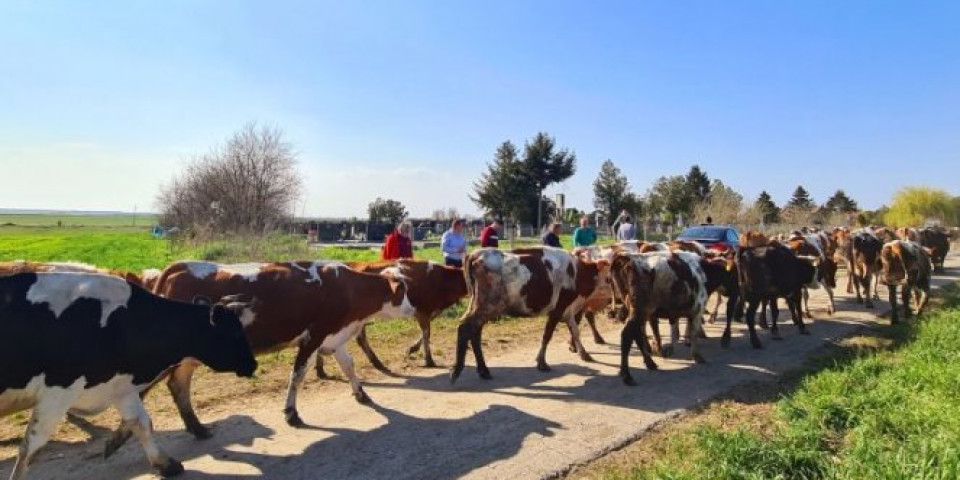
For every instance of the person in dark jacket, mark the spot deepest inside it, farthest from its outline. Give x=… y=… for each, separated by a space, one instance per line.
x=552 y=237
x=490 y=235
x=398 y=244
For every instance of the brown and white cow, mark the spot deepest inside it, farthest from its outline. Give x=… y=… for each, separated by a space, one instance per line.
x=811 y=245
x=431 y=288
x=314 y=305
x=527 y=282
x=906 y=264
x=21 y=266
x=908 y=233
x=654 y=285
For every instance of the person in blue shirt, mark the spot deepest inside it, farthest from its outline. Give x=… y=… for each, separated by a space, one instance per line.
x=454 y=245
x=627 y=230
x=584 y=235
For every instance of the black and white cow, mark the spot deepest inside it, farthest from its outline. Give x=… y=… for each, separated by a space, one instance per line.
x=84 y=342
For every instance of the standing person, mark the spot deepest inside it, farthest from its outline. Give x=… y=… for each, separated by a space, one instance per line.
x=615 y=228
x=490 y=235
x=454 y=245
x=627 y=230
x=398 y=244
x=584 y=235
x=552 y=237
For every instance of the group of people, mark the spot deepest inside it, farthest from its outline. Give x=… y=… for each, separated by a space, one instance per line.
x=399 y=243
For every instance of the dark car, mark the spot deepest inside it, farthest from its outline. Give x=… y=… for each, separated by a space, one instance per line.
x=714 y=237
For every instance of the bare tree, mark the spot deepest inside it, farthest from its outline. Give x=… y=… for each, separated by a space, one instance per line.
x=250 y=183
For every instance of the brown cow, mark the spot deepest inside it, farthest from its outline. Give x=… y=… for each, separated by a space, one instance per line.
x=22 y=266
x=526 y=282
x=938 y=242
x=906 y=264
x=313 y=304
x=431 y=288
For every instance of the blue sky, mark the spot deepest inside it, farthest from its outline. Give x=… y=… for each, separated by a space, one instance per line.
x=102 y=102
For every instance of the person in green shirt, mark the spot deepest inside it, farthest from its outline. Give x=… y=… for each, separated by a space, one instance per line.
x=584 y=235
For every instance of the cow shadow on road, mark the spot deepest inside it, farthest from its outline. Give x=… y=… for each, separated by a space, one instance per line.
x=85 y=459
x=446 y=448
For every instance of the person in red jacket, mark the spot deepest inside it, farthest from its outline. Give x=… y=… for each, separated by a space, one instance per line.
x=398 y=244
x=490 y=235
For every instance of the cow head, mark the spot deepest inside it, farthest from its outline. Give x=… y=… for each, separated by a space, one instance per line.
x=398 y=305
x=808 y=271
x=753 y=239
x=225 y=348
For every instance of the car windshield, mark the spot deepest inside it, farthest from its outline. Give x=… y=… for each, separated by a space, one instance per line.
x=706 y=233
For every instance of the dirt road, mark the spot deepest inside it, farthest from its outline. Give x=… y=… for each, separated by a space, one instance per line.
x=522 y=424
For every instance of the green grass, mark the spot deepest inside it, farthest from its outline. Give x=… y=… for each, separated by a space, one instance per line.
x=62 y=220
x=891 y=413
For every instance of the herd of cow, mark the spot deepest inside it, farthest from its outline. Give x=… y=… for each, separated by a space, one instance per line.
x=78 y=339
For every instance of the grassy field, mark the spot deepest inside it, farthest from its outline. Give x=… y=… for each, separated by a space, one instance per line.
x=882 y=405
x=67 y=220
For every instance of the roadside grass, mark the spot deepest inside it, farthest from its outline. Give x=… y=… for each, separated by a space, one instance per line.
x=884 y=404
x=69 y=220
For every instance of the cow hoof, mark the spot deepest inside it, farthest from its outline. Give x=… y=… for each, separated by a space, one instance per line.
x=808 y=315
x=804 y=331
x=455 y=374
x=763 y=324
x=429 y=363
x=542 y=366
x=859 y=300
x=756 y=344
x=667 y=351
x=586 y=357
x=322 y=375
x=651 y=365
x=699 y=359
x=115 y=442
x=725 y=340
x=599 y=341
x=171 y=469
x=362 y=397
x=869 y=304
x=572 y=348
x=412 y=350
x=485 y=374
x=628 y=380
x=775 y=335
x=293 y=418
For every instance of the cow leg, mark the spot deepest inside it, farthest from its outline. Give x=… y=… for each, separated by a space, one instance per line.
x=922 y=294
x=763 y=313
x=552 y=320
x=831 y=307
x=857 y=282
x=321 y=373
x=674 y=336
x=299 y=371
x=654 y=323
x=46 y=416
x=477 y=345
x=850 y=277
x=695 y=324
x=796 y=313
x=592 y=322
x=894 y=308
x=464 y=333
x=345 y=361
x=806 y=302
x=751 y=315
x=867 y=280
x=179 y=383
x=632 y=332
x=572 y=346
x=575 y=338
x=774 y=316
x=905 y=299
x=368 y=351
x=716 y=309
x=136 y=420
x=424 y=322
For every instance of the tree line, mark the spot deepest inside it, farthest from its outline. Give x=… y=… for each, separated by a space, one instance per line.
x=250 y=183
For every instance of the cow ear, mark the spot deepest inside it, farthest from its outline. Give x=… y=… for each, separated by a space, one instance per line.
x=603 y=264
x=201 y=300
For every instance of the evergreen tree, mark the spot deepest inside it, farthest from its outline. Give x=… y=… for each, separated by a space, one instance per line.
x=801 y=199
x=610 y=191
x=698 y=183
x=769 y=209
x=840 y=203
